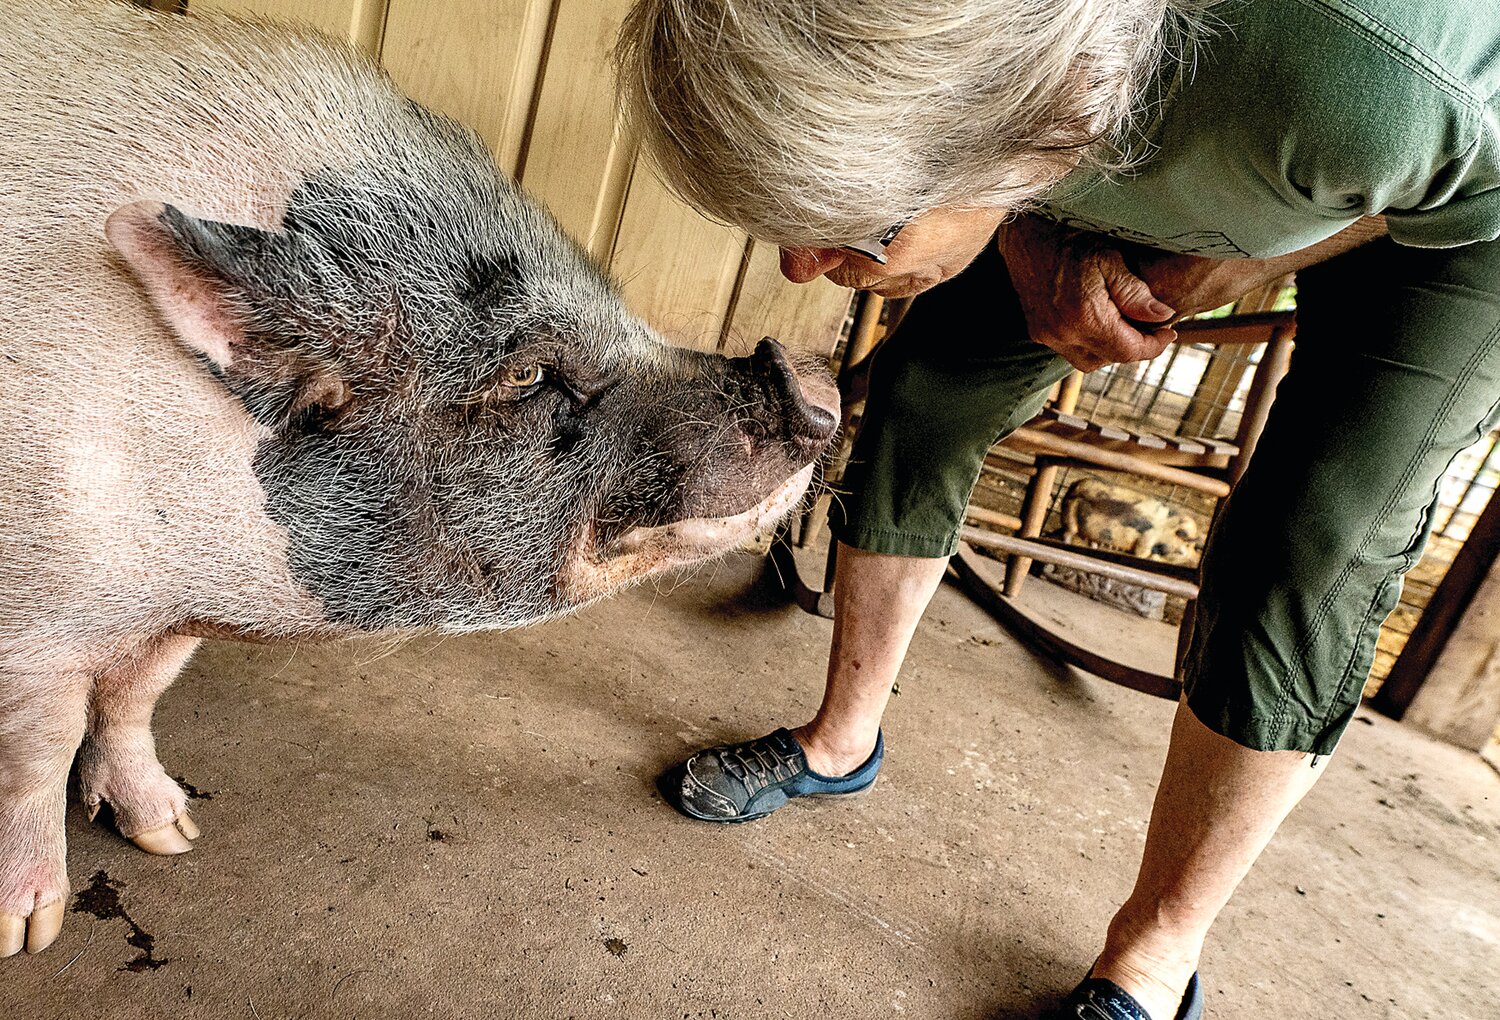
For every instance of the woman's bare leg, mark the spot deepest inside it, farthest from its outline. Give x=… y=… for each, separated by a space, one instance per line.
x=1216 y=809
x=878 y=601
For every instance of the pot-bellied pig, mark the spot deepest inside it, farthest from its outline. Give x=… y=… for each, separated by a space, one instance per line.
x=284 y=355
x=1115 y=517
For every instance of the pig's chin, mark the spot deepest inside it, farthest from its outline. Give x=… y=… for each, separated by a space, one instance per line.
x=641 y=552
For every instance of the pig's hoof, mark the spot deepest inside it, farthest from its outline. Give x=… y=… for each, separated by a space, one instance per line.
x=165 y=840
x=150 y=809
x=33 y=934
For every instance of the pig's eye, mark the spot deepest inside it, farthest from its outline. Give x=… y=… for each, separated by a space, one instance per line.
x=523 y=377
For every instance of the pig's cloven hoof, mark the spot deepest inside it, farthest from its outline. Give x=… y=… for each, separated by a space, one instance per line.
x=16 y=934
x=150 y=809
x=165 y=840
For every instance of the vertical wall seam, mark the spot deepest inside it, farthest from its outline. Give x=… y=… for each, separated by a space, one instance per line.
x=535 y=102
x=369 y=29
x=614 y=241
x=734 y=295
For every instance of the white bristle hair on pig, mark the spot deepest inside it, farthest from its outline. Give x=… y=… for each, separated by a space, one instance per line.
x=284 y=356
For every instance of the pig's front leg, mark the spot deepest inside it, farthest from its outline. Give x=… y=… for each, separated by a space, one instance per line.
x=118 y=763
x=41 y=720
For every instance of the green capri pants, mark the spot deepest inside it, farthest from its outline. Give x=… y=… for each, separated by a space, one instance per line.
x=1396 y=370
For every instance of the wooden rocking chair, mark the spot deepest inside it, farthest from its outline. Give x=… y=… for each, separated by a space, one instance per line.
x=1059 y=438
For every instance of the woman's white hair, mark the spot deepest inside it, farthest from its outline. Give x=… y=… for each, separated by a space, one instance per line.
x=806 y=121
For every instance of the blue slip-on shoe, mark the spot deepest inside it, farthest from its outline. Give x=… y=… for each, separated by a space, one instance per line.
x=1101 y=999
x=746 y=781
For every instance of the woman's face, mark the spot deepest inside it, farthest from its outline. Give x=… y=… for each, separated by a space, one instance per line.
x=932 y=248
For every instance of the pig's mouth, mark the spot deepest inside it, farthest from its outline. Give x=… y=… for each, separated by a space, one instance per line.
x=641 y=552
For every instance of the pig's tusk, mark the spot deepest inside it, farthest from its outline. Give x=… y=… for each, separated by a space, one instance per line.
x=46 y=922
x=164 y=840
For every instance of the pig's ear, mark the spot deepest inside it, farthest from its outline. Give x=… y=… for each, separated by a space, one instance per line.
x=191 y=271
x=205 y=280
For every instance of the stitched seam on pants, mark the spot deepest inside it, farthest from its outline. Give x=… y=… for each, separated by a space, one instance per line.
x=1326 y=605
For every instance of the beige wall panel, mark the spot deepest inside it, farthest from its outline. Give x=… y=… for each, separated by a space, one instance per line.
x=475 y=60
x=677 y=269
x=804 y=317
x=576 y=160
x=357 y=20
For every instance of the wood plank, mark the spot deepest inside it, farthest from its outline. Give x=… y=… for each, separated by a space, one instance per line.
x=1036 y=441
x=1471 y=568
x=475 y=60
x=1159 y=452
x=677 y=270
x=1177 y=570
x=1215 y=390
x=1071 y=421
x=992 y=518
x=1038 y=497
x=359 y=21
x=1064 y=556
x=1275 y=360
x=1182 y=444
x=1254 y=328
x=1460 y=702
x=804 y=317
x=1074 y=427
x=576 y=158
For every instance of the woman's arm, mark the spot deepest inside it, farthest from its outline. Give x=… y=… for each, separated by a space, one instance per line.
x=1191 y=284
x=1097 y=303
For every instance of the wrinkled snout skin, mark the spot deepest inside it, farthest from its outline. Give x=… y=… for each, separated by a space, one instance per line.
x=284 y=355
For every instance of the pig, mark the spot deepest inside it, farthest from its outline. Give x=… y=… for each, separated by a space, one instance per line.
x=1113 y=517
x=284 y=355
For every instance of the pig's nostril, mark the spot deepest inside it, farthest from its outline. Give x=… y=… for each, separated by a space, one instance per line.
x=769 y=354
x=818 y=423
x=807 y=423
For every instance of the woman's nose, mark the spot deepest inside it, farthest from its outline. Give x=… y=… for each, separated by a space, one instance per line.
x=802 y=265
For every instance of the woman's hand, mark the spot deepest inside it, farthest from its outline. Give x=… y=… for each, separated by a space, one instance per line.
x=1080 y=298
x=1096 y=304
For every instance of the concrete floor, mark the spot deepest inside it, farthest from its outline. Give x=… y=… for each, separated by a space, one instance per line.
x=468 y=828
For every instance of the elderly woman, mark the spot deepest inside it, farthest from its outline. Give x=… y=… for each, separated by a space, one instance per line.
x=1102 y=167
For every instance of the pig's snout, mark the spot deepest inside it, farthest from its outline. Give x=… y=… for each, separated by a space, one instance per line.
x=810 y=405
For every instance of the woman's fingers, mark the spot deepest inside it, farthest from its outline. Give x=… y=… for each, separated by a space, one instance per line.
x=1130 y=294
x=1081 y=299
x=1103 y=329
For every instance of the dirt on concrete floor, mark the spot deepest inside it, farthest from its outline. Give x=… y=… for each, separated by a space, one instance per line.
x=469 y=828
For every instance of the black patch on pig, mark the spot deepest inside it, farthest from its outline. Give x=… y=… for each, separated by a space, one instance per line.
x=421 y=500
x=491 y=280
x=1159 y=549
x=102 y=899
x=1123 y=511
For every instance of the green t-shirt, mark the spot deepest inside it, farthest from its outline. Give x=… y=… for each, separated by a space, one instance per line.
x=1299 y=116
